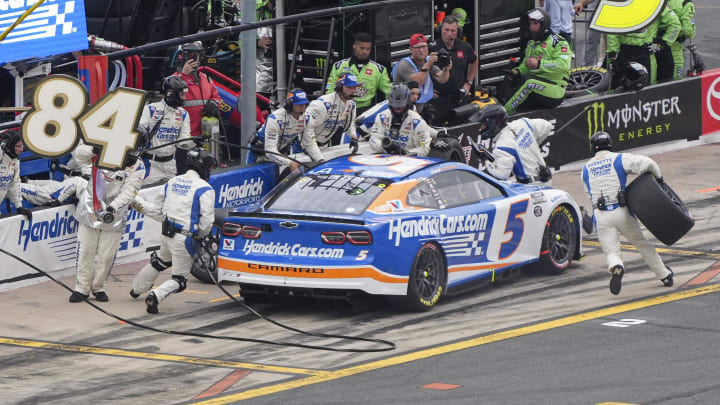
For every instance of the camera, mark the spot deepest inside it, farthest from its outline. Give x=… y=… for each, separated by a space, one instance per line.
x=443 y=58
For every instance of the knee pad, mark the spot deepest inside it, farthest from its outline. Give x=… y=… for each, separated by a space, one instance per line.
x=158 y=263
x=182 y=281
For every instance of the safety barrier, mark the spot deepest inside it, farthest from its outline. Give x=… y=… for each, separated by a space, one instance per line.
x=655 y=114
x=50 y=240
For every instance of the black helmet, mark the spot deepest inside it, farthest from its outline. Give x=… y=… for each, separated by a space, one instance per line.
x=494 y=117
x=191 y=48
x=201 y=161
x=541 y=15
x=635 y=76
x=8 y=139
x=172 y=87
x=601 y=141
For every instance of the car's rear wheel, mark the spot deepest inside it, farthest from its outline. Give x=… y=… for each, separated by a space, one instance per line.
x=428 y=278
x=559 y=242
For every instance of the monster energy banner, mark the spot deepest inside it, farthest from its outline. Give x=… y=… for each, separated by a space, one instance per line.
x=653 y=115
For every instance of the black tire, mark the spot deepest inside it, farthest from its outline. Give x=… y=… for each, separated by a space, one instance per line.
x=559 y=242
x=455 y=152
x=204 y=266
x=428 y=278
x=587 y=80
x=658 y=207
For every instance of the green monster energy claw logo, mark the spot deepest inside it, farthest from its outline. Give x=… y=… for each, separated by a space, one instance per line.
x=596 y=118
x=320 y=64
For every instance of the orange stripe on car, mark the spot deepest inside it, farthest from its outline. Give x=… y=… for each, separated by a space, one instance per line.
x=275 y=269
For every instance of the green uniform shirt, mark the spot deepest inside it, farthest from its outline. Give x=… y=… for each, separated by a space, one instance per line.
x=685 y=10
x=668 y=25
x=554 y=53
x=372 y=76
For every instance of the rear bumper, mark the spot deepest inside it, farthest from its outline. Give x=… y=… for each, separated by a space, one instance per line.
x=366 y=278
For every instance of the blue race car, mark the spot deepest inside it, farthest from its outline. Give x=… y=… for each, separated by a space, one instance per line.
x=413 y=228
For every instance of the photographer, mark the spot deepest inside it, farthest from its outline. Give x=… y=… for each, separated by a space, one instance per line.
x=463 y=67
x=202 y=98
x=407 y=69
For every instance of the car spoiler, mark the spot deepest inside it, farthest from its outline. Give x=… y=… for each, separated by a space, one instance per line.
x=298 y=217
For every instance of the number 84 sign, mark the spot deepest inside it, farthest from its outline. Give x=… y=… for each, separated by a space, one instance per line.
x=61 y=116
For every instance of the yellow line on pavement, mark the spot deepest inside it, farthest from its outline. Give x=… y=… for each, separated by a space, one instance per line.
x=224 y=298
x=196 y=292
x=155 y=356
x=453 y=347
x=691 y=253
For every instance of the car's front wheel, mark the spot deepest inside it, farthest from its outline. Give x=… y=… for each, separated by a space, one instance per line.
x=428 y=278
x=559 y=242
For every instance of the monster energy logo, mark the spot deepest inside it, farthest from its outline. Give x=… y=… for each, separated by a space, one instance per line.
x=596 y=118
x=320 y=64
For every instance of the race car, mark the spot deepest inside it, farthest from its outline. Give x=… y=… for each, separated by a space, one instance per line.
x=406 y=227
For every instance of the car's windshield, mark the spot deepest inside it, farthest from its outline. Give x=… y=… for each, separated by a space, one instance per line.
x=330 y=194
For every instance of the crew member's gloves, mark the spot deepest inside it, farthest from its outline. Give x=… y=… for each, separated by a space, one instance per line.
x=55 y=203
x=210 y=110
x=110 y=209
x=354 y=145
x=95 y=150
x=26 y=212
x=657 y=45
x=439 y=144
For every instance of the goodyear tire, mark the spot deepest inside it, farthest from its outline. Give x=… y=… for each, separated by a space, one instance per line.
x=455 y=152
x=203 y=267
x=587 y=80
x=428 y=278
x=559 y=242
x=658 y=207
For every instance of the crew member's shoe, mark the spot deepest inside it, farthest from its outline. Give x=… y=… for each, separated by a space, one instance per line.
x=78 y=297
x=134 y=294
x=152 y=303
x=101 y=296
x=616 y=280
x=668 y=281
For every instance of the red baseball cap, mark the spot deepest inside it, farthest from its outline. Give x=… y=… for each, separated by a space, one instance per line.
x=417 y=38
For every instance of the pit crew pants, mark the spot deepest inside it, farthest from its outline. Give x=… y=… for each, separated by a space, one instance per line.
x=630 y=53
x=159 y=172
x=609 y=223
x=92 y=242
x=535 y=93
x=179 y=250
x=678 y=53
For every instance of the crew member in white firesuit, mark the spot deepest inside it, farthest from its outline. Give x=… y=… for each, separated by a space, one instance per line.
x=515 y=146
x=283 y=131
x=11 y=146
x=187 y=211
x=162 y=123
x=331 y=116
x=399 y=129
x=51 y=192
x=605 y=178
x=100 y=230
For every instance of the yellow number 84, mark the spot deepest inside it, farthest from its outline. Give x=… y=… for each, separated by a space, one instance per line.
x=621 y=17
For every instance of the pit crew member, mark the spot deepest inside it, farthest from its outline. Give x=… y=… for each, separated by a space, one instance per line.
x=604 y=177
x=399 y=129
x=515 y=146
x=186 y=210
